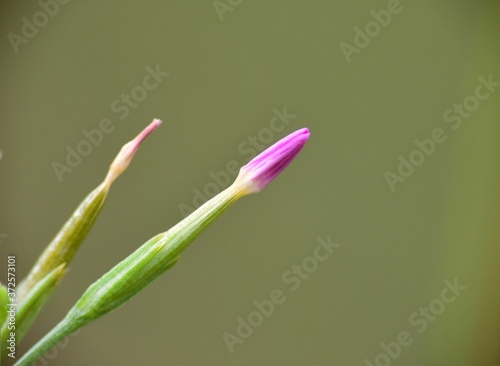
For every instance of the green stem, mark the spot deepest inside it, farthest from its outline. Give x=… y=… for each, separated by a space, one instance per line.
x=60 y=331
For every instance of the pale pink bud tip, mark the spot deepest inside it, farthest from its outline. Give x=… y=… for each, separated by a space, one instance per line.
x=266 y=166
x=128 y=151
x=140 y=137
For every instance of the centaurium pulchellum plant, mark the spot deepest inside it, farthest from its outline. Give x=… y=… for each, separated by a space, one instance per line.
x=162 y=251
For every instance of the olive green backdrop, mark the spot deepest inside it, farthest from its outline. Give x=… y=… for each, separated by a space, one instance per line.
x=230 y=71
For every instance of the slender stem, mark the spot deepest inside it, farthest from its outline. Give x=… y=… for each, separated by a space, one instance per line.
x=60 y=331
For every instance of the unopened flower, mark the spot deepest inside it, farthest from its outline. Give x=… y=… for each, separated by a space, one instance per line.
x=67 y=241
x=266 y=166
x=127 y=152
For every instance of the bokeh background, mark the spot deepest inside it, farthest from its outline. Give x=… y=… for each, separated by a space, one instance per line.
x=228 y=71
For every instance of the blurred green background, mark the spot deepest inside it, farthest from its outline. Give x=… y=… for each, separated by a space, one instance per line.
x=229 y=70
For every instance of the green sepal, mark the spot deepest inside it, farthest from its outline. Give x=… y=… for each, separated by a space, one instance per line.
x=122 y=282
x=67 y=241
